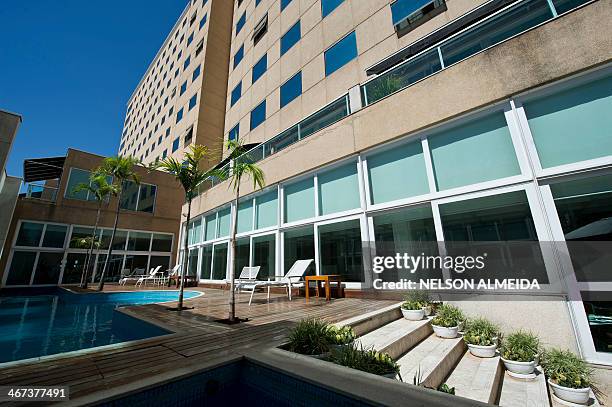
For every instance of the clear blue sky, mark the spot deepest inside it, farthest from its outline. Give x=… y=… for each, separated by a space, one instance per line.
x=69 y=67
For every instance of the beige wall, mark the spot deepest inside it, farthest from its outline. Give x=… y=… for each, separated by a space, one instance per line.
x=532 y=59
x=376 y=39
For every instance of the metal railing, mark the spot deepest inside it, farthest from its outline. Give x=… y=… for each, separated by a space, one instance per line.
x=41 y=192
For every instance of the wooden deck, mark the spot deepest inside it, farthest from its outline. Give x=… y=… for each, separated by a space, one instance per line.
x=197 y=340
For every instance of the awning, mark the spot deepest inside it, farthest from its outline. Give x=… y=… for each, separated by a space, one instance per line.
x=42 y=169
x=438 y=35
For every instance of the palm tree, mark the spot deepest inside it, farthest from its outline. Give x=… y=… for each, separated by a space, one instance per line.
x=121 y=169
x=241 y=166
x=100 y=188
x=190 y=174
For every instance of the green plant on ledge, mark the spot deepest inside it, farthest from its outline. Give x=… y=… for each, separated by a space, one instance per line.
x=412 y=305
x=520 y=347
x=566 y=369
x=448 y=316
x=481 y=331
x=366 y=360
x=309 y=337
x=340 y=336
x=420 y=296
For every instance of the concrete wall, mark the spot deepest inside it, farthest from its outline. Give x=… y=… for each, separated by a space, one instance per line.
x=8 y=200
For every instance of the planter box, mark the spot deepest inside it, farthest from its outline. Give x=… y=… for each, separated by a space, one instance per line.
x=482 y=351
x=576 y=396
x=413 y=314
x=523 y=368
x=447 y=333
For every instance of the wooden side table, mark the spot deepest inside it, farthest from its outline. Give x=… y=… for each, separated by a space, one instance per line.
x=329 y=278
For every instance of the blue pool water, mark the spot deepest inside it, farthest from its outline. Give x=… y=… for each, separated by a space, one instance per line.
x=60 y=321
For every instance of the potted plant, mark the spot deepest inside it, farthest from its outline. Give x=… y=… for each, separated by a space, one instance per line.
x=413 y=310
x=421 y=297
x=569 y=376
x=310 y=337
x=481 y=337
x=340 y=337
x=519 y=352
x=447 y=320
x=366 y=360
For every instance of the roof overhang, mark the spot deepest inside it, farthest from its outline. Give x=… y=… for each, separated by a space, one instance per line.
x=42 y=169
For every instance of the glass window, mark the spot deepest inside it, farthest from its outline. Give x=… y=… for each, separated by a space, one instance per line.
x=55 y=235
x=500 y=226
x=327 y=6
x=284 y=3
x=299 y=200
x=163 y=261
x=139 y=241
x=243 y=255
x=234 y=133
x=193 y=101
x=138 y=261
x=183 y=88
x=203 y=20
x=224 y=222
x=211 y=227
x=20 y=271
x=240 y=23
x=267 y=210
x=179 y=115
x=341 y=250
x=339 y=189
x=572 y=125
x=478 y=151
x=245 y=216
x=409 y=231
x=324 y=117
x=186 y=63
x=146 y=201
x=238 y=56
x=236 y=93
x=259 y=68
x=291 y=89
x=264 y=256
x=161 y=243
x=219 y=268
x=192 y=270
x=175 y=144
x=48 y=268
x=196 y=73
x=397 y=173
x=206 y=262
x=291 y=37
x=258 y=115
x=29 y=234
x=80 y=233
x=75 y=178
x=340 y=54
x=129 y=196
x=73 y=269
x=401 y=9
x=120 y=240
x=299 y=245
x=115 y=265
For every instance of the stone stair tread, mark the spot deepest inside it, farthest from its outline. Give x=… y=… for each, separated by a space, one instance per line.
x=434 y=358
x=388 y=334
x=524 y=393
x=476 y=378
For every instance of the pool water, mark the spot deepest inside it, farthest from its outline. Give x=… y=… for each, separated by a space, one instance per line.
x=60 y=321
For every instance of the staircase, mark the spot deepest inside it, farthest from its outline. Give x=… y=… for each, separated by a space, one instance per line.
x=432 y=361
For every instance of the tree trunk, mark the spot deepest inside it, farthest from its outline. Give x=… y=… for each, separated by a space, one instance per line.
x=85 y=274
x=185 y=268
x=232 y=265
x=110 y=246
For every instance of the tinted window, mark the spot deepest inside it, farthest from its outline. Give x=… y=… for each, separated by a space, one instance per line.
x=327 y=6
x=187 y=62
x=260 y=68
x=193 y=101
x=285 y=3
x=291 y=89
x=340 y=54
x=196 y=73
x=183 y=87
x=403 y=8
x=238 y=56
x=258 y=115
x=175 y=145
x=179 y=115
x=203 y=20
x=240 y=23
x=234 y=133
x=291 y=37
x=236 y=93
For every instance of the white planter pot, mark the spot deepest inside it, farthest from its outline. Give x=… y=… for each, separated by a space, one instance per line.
x=427 y=310
x=523 y=368
x=482 y=351
x=576 y=396
x=443 y=332
x=413 y=314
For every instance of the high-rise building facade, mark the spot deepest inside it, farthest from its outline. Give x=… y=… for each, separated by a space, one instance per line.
x=180 y=99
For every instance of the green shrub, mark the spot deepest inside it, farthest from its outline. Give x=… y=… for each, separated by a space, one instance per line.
x=480 y=331
x=566 y=369
x=421 y=296
x=520 y=347
x=412 y=305
x=448 y=316
x=445 y=388
x=367 y=360
x=309 y=337
x=340 y=336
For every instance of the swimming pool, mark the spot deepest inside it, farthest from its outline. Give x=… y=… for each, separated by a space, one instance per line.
x=60 y=321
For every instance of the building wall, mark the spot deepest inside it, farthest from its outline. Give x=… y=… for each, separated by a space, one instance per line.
x=9 y=186
x=151 y=126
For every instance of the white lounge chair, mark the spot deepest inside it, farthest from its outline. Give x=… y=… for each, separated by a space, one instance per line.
x=172 y=273
x=131 y=275
x=247 y=275
x=151 y=277
x=293 y=279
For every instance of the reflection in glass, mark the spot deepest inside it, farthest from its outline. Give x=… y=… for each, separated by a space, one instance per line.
x=29 y=234
x=55 y=236
x=48 y=268
x=341 y=250
x=264 y=252
x=161 y=243
x=299 y=245
x=219 y=262
x=74 y=268
x=79 y=233
x=139 y=241
x=193 y=262
x=206 y=263
x=113 y=272
x=21 y=268
x=242 y=255
x=146 y=201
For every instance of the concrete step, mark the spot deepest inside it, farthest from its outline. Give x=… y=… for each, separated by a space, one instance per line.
x=523 y=392
x=477 y=378
x=432 y=359
x=362 y=324
x=397 y=337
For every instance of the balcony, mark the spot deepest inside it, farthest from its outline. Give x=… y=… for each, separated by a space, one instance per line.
x=40 y=192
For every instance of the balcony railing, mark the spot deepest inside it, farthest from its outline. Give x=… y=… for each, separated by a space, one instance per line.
x=41 y=192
